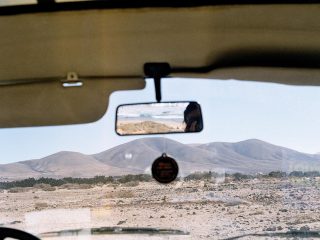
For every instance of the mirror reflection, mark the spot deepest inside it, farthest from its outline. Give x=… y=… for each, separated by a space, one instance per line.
x=156 y=118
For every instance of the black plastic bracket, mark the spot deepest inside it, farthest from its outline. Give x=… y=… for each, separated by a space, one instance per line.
x=157 y=85
x=46 y=2
x=157 y=71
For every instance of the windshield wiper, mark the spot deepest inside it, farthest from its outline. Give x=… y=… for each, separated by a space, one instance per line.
x=113 y=230
x=288 y=234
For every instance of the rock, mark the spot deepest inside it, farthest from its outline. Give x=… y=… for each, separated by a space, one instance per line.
x=15 y=222
x=193 y=190
x=269 y=229
x=305 y=228
x=122 y=222
x=211 y=194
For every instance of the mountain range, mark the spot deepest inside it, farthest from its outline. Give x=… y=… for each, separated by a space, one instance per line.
x=135 y=157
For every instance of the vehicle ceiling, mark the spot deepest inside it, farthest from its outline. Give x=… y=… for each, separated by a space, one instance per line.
x=265 y=42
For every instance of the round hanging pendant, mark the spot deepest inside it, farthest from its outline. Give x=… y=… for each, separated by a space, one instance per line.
x=165 y=169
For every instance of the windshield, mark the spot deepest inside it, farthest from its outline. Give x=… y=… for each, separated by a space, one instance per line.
x=254 y=169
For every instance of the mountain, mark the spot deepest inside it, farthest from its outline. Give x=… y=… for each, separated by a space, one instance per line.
x=254 y=156
x=59 y=165
x=139 y=155
x=249 y=156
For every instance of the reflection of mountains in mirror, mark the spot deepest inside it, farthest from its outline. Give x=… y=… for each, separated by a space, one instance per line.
x=156 y=110
x=151 y=118
x=249 y=156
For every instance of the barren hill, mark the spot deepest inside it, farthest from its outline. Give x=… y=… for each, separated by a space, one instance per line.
x=249 y=156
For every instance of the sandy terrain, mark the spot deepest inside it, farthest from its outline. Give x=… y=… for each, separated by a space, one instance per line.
x=203 y=209
x=144 y=127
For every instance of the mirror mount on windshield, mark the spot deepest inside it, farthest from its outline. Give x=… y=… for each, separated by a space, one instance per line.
x=157 y=71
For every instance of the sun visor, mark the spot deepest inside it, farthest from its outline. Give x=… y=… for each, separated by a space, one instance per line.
x=289 y=76
x=56 y=103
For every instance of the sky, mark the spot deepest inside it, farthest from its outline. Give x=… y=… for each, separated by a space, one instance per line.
x=232 y=110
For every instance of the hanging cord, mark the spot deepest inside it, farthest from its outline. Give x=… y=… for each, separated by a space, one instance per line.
x=165 y=146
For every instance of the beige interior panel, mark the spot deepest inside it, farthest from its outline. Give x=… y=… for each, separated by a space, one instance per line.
x=116 y=44
x=49 y=103
x=119 y=42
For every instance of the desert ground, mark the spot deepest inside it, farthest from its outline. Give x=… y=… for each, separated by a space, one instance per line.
x=203 y=209
x=144 y=127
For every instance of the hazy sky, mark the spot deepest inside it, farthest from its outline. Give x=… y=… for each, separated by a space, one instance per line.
x=233 y=111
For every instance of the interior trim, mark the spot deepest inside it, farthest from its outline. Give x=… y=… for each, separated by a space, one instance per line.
x=51 y=6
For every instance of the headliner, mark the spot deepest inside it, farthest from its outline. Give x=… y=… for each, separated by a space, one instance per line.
x=117 y=42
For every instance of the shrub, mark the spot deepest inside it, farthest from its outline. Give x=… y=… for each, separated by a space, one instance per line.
x=18 y=190
x=40 y=205
x=44 y=187
x=304 y=174
x=131 y=184
x=240 y=176
x=121 y=194
x=277 y=174
x=85 y=186
x=132 y=178
x=199 y=176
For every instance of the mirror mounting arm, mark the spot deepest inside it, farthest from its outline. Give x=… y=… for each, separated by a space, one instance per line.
x=157 y=71
x=157 y=85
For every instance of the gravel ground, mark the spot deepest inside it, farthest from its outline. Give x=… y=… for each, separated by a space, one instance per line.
x=205 y=210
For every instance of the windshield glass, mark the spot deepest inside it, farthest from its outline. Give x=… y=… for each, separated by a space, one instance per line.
x=254 y=168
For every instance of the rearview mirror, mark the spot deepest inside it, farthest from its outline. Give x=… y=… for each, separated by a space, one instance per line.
x=159 y=118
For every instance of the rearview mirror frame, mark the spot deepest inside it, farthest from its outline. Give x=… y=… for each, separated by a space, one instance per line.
x=149 y=103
